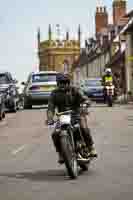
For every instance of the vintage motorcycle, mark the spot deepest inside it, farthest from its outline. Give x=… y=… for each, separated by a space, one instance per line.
x=71 y=143
x=109 y=93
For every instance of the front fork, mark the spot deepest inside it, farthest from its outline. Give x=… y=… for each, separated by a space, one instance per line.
x=68 y=132
x=80 y=145
x=63 y=132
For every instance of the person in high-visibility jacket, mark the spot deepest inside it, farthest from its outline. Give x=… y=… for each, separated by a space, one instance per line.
x=108 y=77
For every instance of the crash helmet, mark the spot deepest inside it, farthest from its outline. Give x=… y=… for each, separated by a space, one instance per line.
x=108 y=71
x=63 y=80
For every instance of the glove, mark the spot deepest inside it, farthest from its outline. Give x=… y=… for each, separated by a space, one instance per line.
x=88 y=103
x=51 y=122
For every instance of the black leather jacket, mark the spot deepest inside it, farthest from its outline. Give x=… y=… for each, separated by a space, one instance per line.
x=65 y=100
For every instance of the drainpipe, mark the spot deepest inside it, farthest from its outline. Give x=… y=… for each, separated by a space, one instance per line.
x=78 y=76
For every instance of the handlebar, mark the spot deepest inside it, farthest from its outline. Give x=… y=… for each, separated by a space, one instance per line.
x=63 y=113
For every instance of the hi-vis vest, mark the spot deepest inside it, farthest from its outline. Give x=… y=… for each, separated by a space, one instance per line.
x=108 y=79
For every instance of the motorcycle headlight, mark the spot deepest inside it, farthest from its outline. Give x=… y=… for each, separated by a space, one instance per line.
x=65 y=119
x=57 y=130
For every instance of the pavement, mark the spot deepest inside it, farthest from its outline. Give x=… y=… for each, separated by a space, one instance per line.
x=28 y=161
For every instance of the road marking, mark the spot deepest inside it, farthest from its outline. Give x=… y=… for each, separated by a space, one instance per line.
x=21 y=148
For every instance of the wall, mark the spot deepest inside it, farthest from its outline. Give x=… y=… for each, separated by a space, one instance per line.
x=129 y=61
x=95 y=68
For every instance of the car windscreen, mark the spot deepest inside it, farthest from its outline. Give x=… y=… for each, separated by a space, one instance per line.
x=43 y=78
x=4 y=79
x=93 y=83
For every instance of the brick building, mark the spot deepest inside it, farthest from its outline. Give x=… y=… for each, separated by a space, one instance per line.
x=119 y=10
x=107 y=48
x=101 y=19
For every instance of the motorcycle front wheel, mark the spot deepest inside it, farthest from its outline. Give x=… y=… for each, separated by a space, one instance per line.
x=69 y=156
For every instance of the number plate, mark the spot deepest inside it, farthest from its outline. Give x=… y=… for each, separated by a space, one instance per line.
x=96 y=95
x=65 y=119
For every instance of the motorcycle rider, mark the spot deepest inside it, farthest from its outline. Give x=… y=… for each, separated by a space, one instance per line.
x=107 y=77
x=66 y=97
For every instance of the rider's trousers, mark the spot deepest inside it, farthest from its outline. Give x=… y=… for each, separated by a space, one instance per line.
x=85 y=131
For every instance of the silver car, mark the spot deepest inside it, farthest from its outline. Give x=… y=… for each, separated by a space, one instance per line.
x=38 y=88
x=93 y=88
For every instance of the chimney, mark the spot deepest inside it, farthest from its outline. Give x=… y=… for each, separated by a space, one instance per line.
x=119 y=10
x=101 y=19
x=104 y=9
x=101 y=9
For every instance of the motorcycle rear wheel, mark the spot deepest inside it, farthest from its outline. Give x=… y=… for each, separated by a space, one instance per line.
x=84 y=167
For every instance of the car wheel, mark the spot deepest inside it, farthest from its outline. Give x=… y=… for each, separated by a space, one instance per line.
x=17 y=105
x=1 y=116
x=22 y=103
x=14 y=107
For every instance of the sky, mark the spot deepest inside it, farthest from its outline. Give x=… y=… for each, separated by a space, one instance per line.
x=19 y=21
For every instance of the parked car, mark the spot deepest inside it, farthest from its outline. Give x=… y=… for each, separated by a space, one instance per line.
x=93 y=88
x=8 y=88
x=2 y=107
x=38 y=88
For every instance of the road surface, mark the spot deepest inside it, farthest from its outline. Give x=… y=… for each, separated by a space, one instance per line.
x=28 y=162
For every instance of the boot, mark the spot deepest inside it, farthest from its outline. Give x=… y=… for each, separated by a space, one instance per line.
x=81 y=158
x=93 y=152
x=60 y=159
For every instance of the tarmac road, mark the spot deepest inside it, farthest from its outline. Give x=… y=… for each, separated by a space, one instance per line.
x=28 y=162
